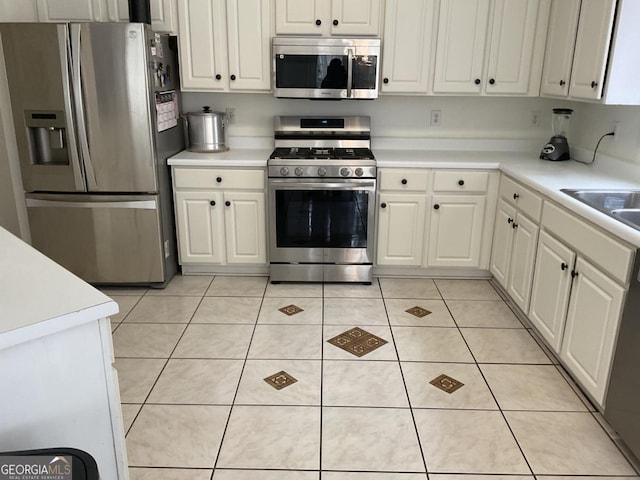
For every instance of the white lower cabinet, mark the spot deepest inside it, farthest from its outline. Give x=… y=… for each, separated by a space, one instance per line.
x=220 y=216
x=401 y=228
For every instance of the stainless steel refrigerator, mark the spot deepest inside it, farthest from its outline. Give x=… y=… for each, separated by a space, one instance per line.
x=95 y=107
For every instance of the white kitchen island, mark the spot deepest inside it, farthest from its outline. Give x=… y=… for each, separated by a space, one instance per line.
x=58 y=387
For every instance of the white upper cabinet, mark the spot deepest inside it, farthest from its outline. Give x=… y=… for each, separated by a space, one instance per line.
x=72 y=10
x=328 y=17
x=164 y=14
x=224 y=47
x=409 y=29
x=18 y=11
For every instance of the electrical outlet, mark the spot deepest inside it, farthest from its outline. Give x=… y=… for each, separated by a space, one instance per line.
x=616 y=129
x=535 y=118
x=231 y=115
x=436 y=118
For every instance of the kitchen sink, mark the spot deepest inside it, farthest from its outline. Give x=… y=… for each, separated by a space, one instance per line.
x=623 y=205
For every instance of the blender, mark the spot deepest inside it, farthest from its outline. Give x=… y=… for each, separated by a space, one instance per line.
x=558 y=147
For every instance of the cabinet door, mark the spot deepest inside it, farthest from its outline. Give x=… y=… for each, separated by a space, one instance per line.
x=302 y=17
x=401 y=229
x=551 y=287
x=18 y=11
x=406 y=55
x=203 y=45
x=72 y=10
x=502 y=242
x=523 y=255
x=561 y=38
x=592 y=48
x=355 y=17
x=249 y=37
x=246 y=237
x=163 y=14
x=462 y=28
x=510 y=48
x=200 y=226
x=455 y=233
x=592 y=328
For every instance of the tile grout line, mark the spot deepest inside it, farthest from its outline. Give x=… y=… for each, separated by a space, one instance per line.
x=321 y=385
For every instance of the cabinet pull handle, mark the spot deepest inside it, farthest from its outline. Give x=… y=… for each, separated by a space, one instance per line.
x=233 y=77
x=574 y=274
x=436 y=206
x=562 y=83
x=510 y=220
x=594 y=84
x=227 y=203
x=318 y=22
x=461 y=182
x=403 y=181
x=335 y=23
x=218 y=77
x=514 y=225
x=516 y=196
x=563 y=266
x=219 y=179
x=212 y=203
x=383 y=205
x=385 y=80
x=492 y=81
x=477 y=81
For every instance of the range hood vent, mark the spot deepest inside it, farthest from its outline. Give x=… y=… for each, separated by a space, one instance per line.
x=140 y=11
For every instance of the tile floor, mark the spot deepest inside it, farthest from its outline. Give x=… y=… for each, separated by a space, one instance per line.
x=192 y=361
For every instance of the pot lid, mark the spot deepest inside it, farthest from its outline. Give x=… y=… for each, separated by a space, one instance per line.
x=206 y=111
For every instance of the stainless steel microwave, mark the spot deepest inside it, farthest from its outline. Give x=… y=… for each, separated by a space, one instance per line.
x=325 y=68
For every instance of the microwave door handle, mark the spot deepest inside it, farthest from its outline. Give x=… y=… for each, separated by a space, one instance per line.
x=349 y=71
x=65 y=63
x=79 y=103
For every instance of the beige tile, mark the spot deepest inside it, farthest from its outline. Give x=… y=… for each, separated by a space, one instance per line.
x=431 y=344
x=294 y=290
x=566 y=443
x=384 y=352
x=136 y=473
x=493 y=345
x=467 y=290
x=237 y=287
x=272 y=438
x=265 y=475
x=483 y=313
x=373 y=439
x=214 y=341
x=362 y=384
x=254 y=390
x=433 y=476
x=373 y=476
x=409 y=288
x=129 y=412
x=163 y=310
x=439 y=316
x=468 y=441
x=473 y=395
x=228 y=310
x=287 y=341
x=190 y=285
x=354 y=311
x=176 y=436
x=136 y=377
x=349 y=290
x=117 y=291
x=146 y=340
x=125 y=303
x=568 y=477
x=531 y=387
x=311 y=311
x=197 y=382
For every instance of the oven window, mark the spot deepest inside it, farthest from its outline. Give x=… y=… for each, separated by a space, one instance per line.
x=325 y=71
x=321 y=218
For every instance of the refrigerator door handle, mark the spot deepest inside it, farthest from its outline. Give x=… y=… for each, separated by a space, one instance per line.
x=92 y=182
x=136 y=204
x=65 y=62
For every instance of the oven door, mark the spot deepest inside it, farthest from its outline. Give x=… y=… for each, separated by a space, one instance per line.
x=327 y=221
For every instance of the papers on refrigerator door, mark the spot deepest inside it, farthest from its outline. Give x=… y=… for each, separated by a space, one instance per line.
x=167 y=110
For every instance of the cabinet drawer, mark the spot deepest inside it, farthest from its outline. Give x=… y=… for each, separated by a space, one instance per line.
x=525 y=199
x=609 y=254
x=406 y=180
x=460 y=181
x=208 y=178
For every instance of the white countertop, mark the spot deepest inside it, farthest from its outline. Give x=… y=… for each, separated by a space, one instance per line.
x=38 y=297
x=236 y=157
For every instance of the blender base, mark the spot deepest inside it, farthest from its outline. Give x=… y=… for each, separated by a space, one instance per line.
x=557 y=149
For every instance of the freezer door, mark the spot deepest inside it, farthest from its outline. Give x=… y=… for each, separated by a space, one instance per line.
x=101 y=239
x=38 y=66
x=113 y=100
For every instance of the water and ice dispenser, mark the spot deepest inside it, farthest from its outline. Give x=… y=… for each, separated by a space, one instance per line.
x=46 y=135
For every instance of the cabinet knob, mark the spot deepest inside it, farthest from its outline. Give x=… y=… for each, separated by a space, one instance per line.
x=477 y=81
x=563 y=266
x=492 y=81
x=219 y=179
x=383 y=205
x=233 y=77
x=318 y=22
x=335 y=23
x=218 y=77
x=562 y=83
x=509 y=220
x=385 y=80
x=227 y=203
x=594 y=84
x=574 y=274
x=461 y=182
x=436 y=207
x=516 y=196
x=403 y=181
x=514 y=225
x=212 y=203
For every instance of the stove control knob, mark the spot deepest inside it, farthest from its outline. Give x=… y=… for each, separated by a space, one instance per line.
x=345 y=171
x=359 y=172
x=299 y=171
x=284 y=171
x=322 y=171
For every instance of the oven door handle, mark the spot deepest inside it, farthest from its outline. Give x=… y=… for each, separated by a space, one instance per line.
x=349 y=71
x=324 y=185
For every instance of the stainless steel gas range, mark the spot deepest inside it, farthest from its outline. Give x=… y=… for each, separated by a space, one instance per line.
x=322 y=184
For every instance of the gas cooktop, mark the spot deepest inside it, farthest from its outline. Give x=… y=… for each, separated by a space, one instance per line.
x=321 y=153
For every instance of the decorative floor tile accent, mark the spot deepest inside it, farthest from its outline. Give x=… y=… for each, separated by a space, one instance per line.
x=357 y=341
x=446 y=383
x=280 y=380
x=291 y=309
x=418 y=311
